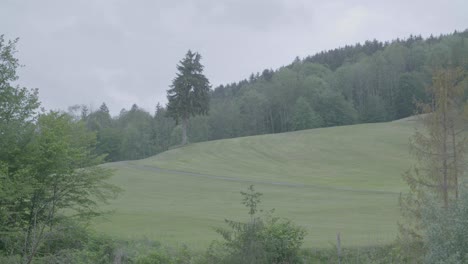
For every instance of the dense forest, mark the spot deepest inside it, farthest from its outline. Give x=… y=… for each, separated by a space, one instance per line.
x=363 y=83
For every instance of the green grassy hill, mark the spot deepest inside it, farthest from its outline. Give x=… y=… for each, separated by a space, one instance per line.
x=340 y=179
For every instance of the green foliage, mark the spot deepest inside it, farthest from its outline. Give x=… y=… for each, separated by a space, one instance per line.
x=225 y=120
x=162 y=129
x=304 y=117
x=282 y=240
x=252 y=108
x=18 y=109
x=199 y=129
x=440 y=152
x=374 y=110
x=189 y=92
x=264 y=239
x=251 y=199
x=446 y=236
x=134 y=134
x=175 y=136
x=410 y=91
x=62 y=175
x=137 y=138
x=188 y=95
x=155 y=258
x=63 y=160
x=71 y=242
x=336 y=111
x=48 y=169
x=378 y=254
x=109 y=142
x=18 y=112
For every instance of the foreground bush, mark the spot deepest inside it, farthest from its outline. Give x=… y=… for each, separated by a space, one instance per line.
x=262 y=239
x=446 y=238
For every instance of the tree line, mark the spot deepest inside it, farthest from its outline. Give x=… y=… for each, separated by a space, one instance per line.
x=370 y=82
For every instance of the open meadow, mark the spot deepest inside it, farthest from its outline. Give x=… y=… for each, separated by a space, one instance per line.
x=341 y=179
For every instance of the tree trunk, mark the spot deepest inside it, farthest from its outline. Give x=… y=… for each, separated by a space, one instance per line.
x=271 y=122
x=444 y=149
x=455 y=160
x=184 y=130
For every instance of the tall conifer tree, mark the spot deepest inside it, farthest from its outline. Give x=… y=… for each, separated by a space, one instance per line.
x=189 y=93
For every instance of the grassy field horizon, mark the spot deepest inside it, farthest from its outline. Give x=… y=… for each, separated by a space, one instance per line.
x=340 y=179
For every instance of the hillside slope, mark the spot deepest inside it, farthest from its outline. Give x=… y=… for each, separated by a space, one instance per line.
x=341 y=179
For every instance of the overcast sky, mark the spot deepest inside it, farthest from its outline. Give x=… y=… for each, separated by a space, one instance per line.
x=125 y=51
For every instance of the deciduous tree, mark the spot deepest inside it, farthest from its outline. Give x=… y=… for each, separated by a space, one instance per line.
x=48 y=169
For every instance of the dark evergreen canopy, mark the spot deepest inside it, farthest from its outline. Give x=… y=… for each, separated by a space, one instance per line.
x=189 y=92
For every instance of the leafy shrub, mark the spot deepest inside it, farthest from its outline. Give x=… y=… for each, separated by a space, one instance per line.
x=155 y=258
x=263 y=239
x=446 y=237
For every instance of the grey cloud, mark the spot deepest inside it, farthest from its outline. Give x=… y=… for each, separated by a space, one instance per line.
x=124 y=52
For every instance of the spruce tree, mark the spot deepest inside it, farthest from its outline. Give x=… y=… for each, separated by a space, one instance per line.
x=189 y=93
